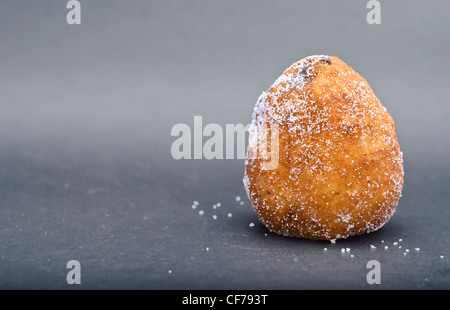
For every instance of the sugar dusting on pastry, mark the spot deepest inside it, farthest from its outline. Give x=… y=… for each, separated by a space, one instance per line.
x=340 y=169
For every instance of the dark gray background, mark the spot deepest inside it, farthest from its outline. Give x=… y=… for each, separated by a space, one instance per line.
x=86 y=112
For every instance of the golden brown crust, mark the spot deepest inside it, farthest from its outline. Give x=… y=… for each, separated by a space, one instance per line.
x=340 y=169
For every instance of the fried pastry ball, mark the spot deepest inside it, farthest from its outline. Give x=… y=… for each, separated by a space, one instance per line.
x=323 y=160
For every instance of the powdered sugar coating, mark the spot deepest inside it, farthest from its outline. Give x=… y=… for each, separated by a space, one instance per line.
x=340 y=170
